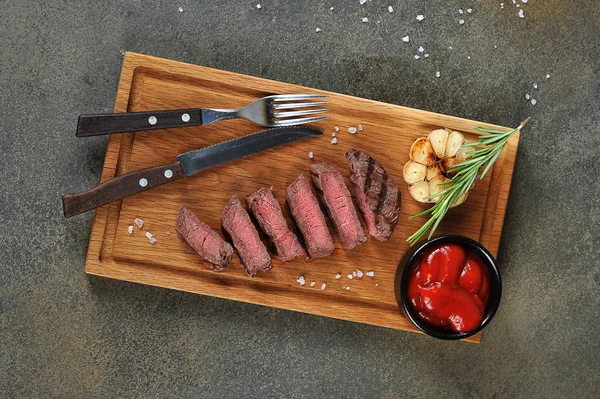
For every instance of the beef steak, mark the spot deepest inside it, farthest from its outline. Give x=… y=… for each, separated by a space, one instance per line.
x=252 y=252
x=265 y=208
x=375 y=193
x=216 y=252
x=337 y=201
x=308 y=216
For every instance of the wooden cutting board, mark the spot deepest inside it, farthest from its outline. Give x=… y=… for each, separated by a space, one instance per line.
x=149 y=83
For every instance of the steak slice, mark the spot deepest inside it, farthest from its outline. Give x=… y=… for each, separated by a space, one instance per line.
x=375 y=193
x=305 y=209
x=252 y=252
x=206 y=242
x=265 y=208
x=337 y=201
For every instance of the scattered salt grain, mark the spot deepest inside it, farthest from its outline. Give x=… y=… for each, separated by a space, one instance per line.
x=437 y=74
x=360 y=127
x=514 y=1
x=527 y=96
x=331 y=9
x=449 y=47
x=518 y=5
x=347 y=288
x=405 y=39
x=391 y=9
x=318 y=30
x=311 y=155
x=501 y=5
x=337 y=128
x=362 y=2
x=426 y=56
x=421 y=49
x=521 y=15
x=420 y=17
x=377 y=285
x=417 y=56
x=365 y=19
x=334 y=140
x=469 y=57
x=180 y=9
x=370 y=274
x=138 y=222
x=258 y=6
x=312 y=284
x=333 y=134
x=533 y=101
x=323 y=286
x=462 y=21
x=168 y=233
x=354 y=273
x=352 y=130
x=460 y=11
x=535 y=86
x=548 y=76
x=150 y=237
x=130 y=229
x=350 y=277
x=495 y=46
x=338 y=276
x=524 y=1
x=469 y=10
x=359 y=273
x=301 y=280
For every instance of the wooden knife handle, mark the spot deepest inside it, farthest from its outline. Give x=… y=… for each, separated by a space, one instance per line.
x=120 y=187
x=95 y=125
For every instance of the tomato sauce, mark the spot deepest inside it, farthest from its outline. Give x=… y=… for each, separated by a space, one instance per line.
x=449 y=288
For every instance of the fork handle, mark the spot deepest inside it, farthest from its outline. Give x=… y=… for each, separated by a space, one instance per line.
x=95 y=125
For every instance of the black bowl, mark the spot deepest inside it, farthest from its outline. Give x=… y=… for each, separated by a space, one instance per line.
x=408 y=262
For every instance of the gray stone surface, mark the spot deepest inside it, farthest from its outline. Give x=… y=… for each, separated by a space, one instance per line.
x=65 y=334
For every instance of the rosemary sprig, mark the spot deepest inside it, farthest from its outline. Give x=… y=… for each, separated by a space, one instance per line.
x=479 y=162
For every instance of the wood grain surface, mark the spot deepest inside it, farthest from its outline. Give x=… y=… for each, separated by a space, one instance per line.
x=149 y=83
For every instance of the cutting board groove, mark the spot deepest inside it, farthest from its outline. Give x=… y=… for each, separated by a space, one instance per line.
x=149 y=83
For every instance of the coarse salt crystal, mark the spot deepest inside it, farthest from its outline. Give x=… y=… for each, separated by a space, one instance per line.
x=370 y=274
x=462 y=21
x=301 y=280
x=548 y=76
x=527 y=96
x=360 y=127
x=150 y=237
x=258 y=6
x=521 y=15
x=362 y=2
x=334 y=140
x=352 y=130
x=469 y=57
x=338 y=276
x=524 y=1
x=359 y=273
x=365 y=19
x=138 y=222
x=180 y=9
x=495 y=46
x=420 y=17
x=450 y=47
x=311 y=155
x=354 y=273
x=437 y=74
x=331 y=9
x=501 y=5
x=377 y=285
x=469 y=10
x=421 y=49
x=460 y=11
x=417 y=56
x=350 y=276
x=533 y=101
x=514 y=1
x=168 y=233
x=130 y=229
x=337 y=128
x=391 y=9
x=333 y=134
x=518 y=5
x=318 y=30
x=347 y=288
x=535 y=86
x=405 y=39
x=426 y=56
x=323 y=286
x=312 y=284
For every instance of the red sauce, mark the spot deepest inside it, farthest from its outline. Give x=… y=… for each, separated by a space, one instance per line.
x=449 y=288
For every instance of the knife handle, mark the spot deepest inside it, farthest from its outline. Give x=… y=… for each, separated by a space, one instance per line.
x=120 y=187
x=95 y=125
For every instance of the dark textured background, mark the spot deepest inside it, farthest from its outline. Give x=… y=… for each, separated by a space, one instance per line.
x=65 y=334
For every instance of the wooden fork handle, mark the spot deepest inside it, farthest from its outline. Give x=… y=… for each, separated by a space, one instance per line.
x=95 y=125
x=120 y=187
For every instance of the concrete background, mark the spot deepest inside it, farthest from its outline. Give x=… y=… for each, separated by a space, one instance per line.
x=65 y=334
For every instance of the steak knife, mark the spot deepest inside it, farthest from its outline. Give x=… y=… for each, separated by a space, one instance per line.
x=187 y=164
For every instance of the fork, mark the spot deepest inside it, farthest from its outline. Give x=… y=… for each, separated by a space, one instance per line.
x=270 y=111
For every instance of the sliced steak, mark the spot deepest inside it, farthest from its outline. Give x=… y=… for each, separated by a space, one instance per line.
x=252 y=252
x=305 y=209
x=337 y=201
x=206 y=242
x=265 y=208
x=375 y=193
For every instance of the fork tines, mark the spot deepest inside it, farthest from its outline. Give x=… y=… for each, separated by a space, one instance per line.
x=286 y=102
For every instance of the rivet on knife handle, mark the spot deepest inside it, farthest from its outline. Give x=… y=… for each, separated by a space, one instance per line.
x=120 y=187
x=94 y=125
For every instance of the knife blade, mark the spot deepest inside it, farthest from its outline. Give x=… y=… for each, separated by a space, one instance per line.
x=187 y=164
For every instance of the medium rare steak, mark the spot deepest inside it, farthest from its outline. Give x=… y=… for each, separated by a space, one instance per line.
x=375 y=193
x=252 y=252
x=336 y=199
x=216 y=252
x=265 y=208
x=308 y=216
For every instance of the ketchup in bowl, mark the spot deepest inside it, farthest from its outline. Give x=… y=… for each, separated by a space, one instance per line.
x=448 y=287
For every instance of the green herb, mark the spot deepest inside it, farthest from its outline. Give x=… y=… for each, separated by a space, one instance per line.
x=479 y=161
